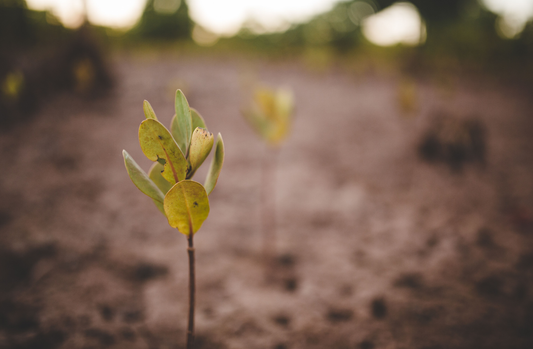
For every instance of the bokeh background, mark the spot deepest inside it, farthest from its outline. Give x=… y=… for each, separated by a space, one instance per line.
x=403 y=195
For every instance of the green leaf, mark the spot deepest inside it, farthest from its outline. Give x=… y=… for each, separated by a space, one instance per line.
x=181 y=125
x=157 y=144
x=186 y=206
x=216 y=166
x=148 y=110
x=197 y=120
x=160 y=207
x=157 y=178
x=143 y=182
x=201 y=144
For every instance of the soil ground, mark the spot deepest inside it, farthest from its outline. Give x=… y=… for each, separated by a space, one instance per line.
x=376 y=248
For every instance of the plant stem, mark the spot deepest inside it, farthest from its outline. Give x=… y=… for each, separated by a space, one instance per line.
x=268 y=200
x=192 y=287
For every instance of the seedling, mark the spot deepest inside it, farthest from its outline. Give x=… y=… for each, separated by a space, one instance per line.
x=270 y=115
x=177 y=154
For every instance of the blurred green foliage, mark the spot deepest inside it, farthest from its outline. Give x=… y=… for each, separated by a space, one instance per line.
x=20 y=26
x=164 y=19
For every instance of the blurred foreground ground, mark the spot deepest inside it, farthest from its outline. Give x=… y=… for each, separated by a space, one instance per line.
x=378 y=249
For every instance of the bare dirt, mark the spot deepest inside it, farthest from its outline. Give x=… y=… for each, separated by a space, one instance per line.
x=377 y=248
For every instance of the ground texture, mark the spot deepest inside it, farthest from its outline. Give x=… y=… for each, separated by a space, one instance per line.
x=376 y=247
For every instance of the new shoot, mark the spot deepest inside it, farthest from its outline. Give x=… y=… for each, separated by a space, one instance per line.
x=270 y=115
x=176 y=155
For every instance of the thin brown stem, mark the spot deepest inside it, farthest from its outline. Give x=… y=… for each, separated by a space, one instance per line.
x=268 y=209
x=192 y=288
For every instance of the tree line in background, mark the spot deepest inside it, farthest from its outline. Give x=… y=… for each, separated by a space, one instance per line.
x=462 y=29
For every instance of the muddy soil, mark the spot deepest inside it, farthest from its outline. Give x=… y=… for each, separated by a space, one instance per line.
x=376 y=247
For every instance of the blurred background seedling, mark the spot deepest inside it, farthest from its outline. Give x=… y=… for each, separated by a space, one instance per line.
x=270 y=114
x=407 y=97
x=176 y=155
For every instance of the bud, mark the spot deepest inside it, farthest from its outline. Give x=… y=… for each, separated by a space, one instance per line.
x=201 y=144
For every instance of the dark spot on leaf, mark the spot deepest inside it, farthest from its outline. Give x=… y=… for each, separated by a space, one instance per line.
x=195 y=204
x=159 y=137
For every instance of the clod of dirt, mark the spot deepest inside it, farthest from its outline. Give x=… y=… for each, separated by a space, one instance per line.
x=525 y=262
x=379 y=308
x=16 y=267
x=282 y=320
x=65 y=162
x=204 y=342
x=44 y=340
x=17 y=317
x=132 y=316
x=425 y=315
x=5 y=218
x=339 y=315
x=286 y=260
x=144 y=271
x=107 y=313
x=366 y=345
x=290 y=284
x=485 y=238
x=454 y=142
x=105 y=338
x=128 y=334
x=490 y=286
x=413 y=281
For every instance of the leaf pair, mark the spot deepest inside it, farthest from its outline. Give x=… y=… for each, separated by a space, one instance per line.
x=177 y=155
x=271 y=113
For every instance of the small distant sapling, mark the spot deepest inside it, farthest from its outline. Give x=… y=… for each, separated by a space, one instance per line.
x=270 y=115
x=177 y=154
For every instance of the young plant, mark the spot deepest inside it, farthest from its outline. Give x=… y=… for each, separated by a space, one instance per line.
x=177 y=154
x=270 y=115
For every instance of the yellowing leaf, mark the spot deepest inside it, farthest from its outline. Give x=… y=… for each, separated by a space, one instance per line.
x=186 y=206
x=266 y=100
x=148 y=111
x=143 y=182
x=271 y=114
x=201 y=144
x=181 y=125
x=158 y=145
x=197 y=120
x=157 y=178
x=216 y=166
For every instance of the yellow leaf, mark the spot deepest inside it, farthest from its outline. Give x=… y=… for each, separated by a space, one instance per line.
x=158 y=145
x=186 y=206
